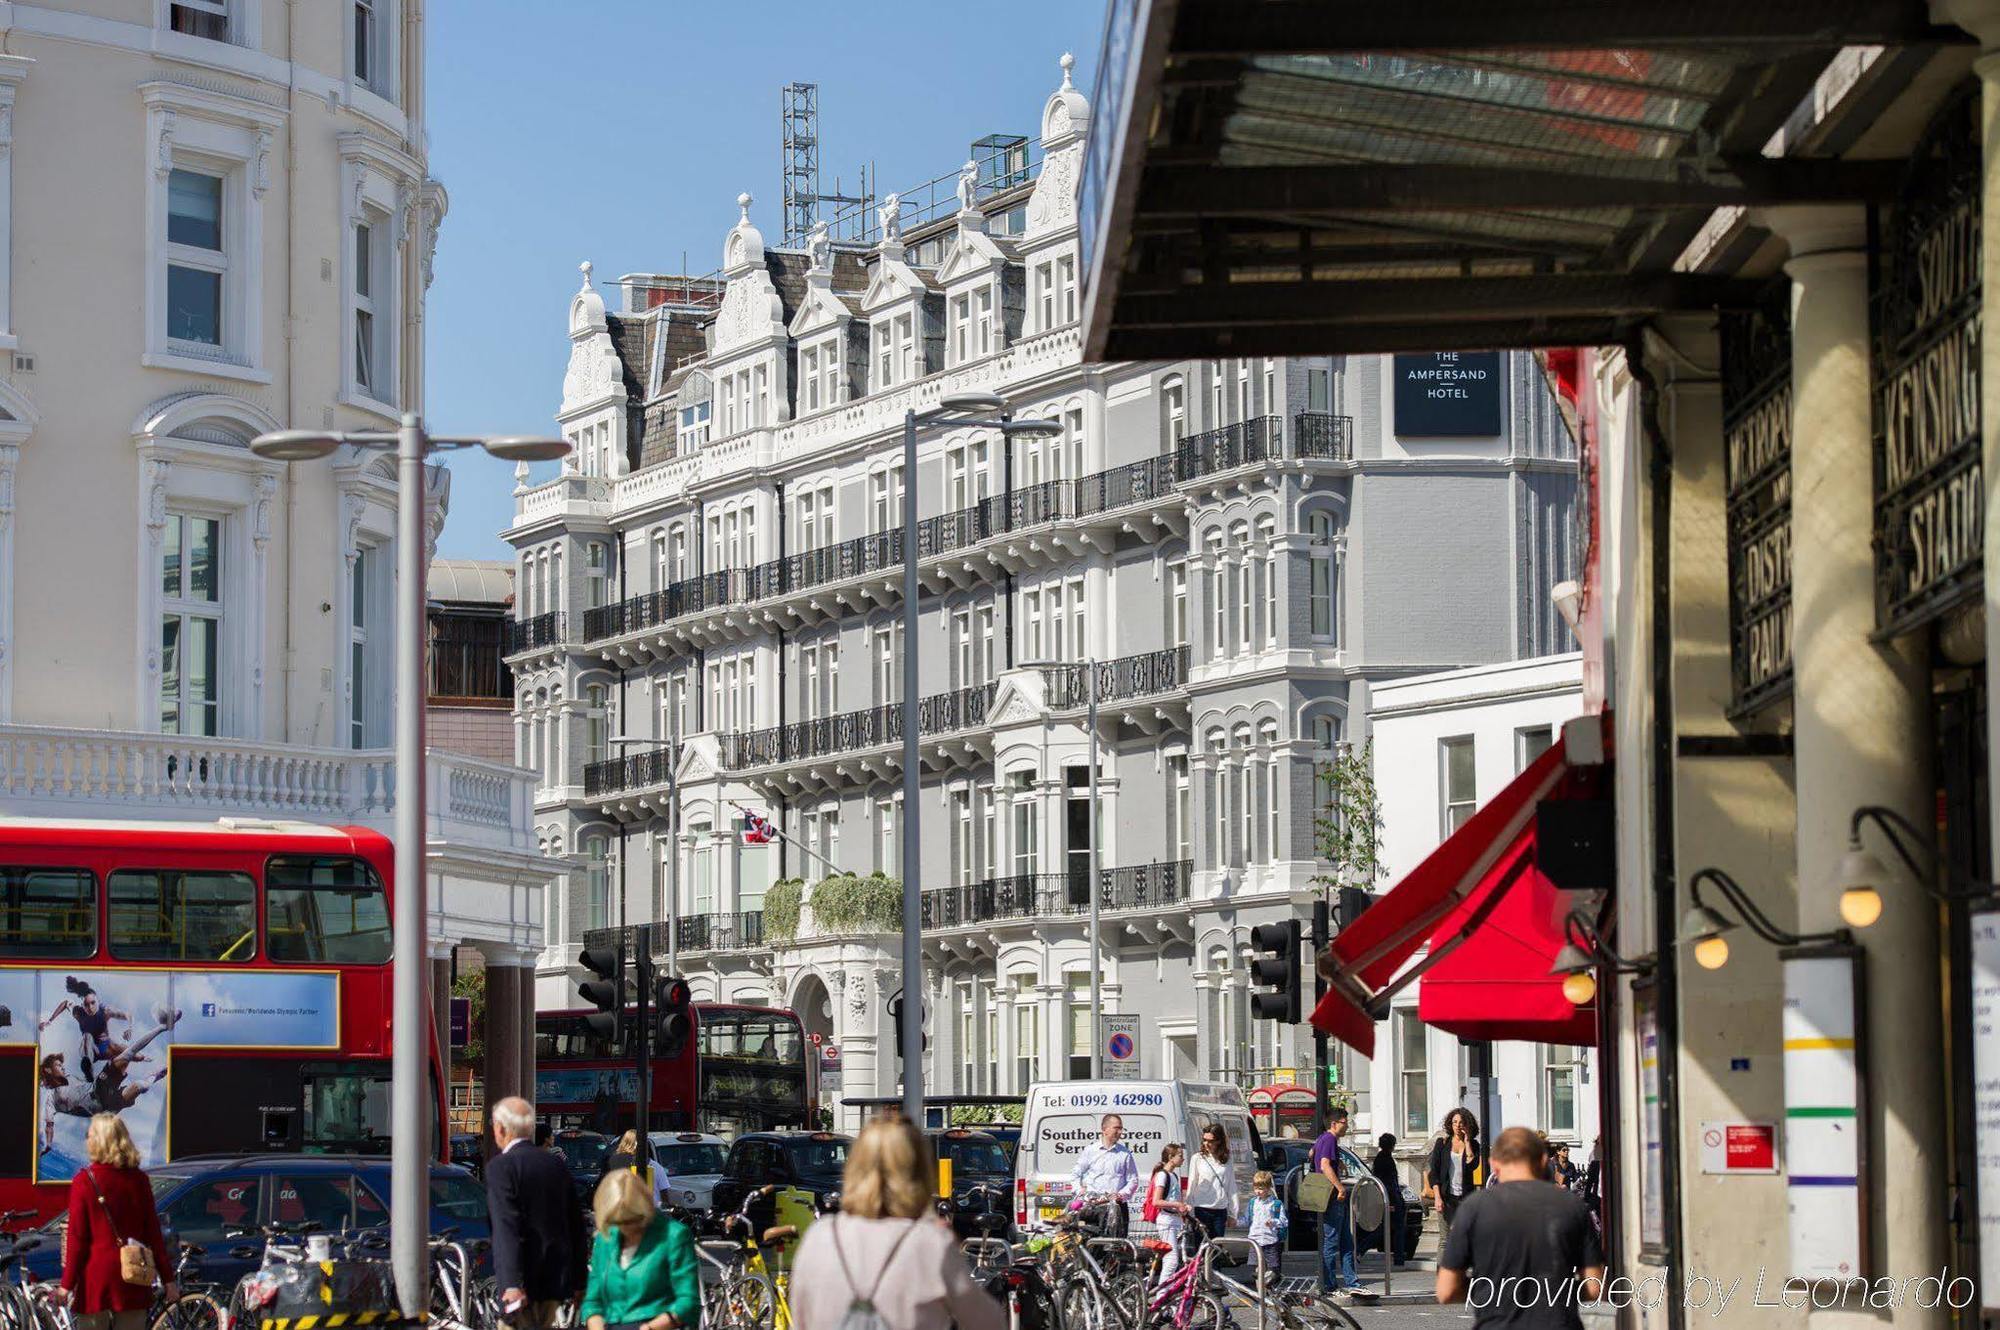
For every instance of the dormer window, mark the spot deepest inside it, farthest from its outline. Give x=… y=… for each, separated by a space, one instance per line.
x=1066 y=287
x=1045 y=292
x=895 y=350
x=819 y=368
x=982 y=317
x=694 y=424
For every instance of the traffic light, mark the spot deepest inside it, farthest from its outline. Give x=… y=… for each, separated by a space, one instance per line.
x=673 y=1016
x=607 y=991
x=1276 y=971
x=1353 y=900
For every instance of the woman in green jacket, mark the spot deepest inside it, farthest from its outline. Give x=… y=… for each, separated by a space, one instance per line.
x=643 y=1274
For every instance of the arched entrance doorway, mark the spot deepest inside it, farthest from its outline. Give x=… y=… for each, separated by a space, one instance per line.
x=815 y=1008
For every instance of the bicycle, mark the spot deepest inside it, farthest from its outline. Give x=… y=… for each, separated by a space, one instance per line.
x=457 y=1300
x=1011 y=1274
x=197 y=1308
x=20 y=1297
x=1089 y=1294
x=1183 y=1300
x=256 y=1290
x=753 y=1295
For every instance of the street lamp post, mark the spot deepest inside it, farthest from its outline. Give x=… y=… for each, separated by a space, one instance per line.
x=669 y=903
x=910 y=1019
x=409 y=1228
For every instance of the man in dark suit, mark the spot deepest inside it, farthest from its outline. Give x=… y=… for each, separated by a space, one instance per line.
x=539 y=1256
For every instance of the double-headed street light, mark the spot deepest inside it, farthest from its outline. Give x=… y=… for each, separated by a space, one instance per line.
x=409 y=1179
x=963 y=410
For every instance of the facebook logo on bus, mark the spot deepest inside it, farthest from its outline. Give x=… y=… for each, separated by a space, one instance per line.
x=208 y=1009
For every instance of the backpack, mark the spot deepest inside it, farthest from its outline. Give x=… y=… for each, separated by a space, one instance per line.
x=861 y=1313
x=1150 y=1210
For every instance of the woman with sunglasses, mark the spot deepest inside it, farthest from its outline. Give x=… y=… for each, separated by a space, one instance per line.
x=1212 y=1192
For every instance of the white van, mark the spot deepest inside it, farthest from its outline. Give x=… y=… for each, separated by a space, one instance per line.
x=1062 y=1118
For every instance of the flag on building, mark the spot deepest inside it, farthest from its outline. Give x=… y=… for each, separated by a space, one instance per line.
x=757 y=830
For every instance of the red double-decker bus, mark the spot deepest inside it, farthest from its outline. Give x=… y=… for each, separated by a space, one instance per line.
x=745 y=1069
x=221 y=986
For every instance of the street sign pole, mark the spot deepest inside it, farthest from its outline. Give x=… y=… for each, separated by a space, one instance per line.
x=642 y=1036
x=1321 y=1100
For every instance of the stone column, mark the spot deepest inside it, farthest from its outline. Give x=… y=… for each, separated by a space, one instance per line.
x=502 y=1072
x=440 y=957
x=1861 y=732
x=527 y=1026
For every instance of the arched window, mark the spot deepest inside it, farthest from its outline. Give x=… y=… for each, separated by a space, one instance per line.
x=1218 y=598
x=1243 y=588
x=1320 y=528
x=1267 y=535
x=1267 y=741
x=1218 y=827
x=1245 y=797
x=597 y=881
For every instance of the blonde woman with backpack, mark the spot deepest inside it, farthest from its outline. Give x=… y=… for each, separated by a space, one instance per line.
x=886 y=1261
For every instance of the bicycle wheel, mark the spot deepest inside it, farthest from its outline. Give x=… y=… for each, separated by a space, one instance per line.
x=15 y=1311
x=1129 y=1296
x=748 y=1302
x=1080 y=1304
x=195 y=1311
x=1206 y=1313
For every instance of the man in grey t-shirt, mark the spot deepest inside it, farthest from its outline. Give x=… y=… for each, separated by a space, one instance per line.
x=1522 y=1252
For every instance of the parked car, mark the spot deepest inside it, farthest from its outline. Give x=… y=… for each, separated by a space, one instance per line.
x=584 y=1152
x=466 y=1152
x=811 y=1161
x=978 y=1159
x=209 y=1200
x=693 y=1162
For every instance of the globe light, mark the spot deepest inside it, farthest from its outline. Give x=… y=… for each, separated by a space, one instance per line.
x=1712 y=953
x=1859 y=876
x=1860 y=906
x=1580 y=987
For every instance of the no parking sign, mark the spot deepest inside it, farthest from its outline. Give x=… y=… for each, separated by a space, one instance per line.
x=1119 y=1036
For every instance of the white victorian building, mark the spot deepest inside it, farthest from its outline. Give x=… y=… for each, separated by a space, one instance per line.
x=216 y=220
x=1234 y=550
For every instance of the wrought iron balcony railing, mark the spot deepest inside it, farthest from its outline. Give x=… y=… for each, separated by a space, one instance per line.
x=634 y=771
x=830 y=563
x=1318 y=434
x=544 y=630
x=1260 y=439
x=1142 y=675
x=1044 y=895
x=719 y=932
x=850 y=731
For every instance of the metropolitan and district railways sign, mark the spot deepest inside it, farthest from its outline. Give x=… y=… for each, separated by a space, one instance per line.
x=1929 y=540
x=1757 y=443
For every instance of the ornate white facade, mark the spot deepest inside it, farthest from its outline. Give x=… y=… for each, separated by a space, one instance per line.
x=1234 y=550
x=216 y=220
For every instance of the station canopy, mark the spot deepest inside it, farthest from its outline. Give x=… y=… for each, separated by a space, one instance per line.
x=1273 y=177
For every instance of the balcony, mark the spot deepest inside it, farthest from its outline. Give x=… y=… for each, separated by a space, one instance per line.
x=1323 y=437
x=719 y=932
x=1145 y=675
x=855 y=731
x=50 y=772
x=690 y=595
x=831 y=563
x=537 y=634
x=634 y=771
x=1057 y=895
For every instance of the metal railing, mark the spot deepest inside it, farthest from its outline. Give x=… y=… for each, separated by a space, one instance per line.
x=1044 y=895
x=544 y=630
x=719 y=932
x=850 y=731
x=1321 y=435
x=1142 y=675
x=1317 y=435
x=634 y=771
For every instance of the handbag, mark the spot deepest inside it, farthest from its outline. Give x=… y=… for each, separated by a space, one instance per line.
x=135 y=1259
x=1315 y=1192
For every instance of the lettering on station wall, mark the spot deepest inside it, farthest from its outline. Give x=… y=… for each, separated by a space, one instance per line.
x=1448 y=394
x=1757 y=443
x=1930 y=541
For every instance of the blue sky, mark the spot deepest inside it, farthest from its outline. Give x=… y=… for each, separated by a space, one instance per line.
x=623 y=132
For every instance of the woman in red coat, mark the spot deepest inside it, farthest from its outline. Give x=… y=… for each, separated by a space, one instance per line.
x=110 y=1203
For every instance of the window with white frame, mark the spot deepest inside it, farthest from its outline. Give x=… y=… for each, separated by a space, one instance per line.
x=1243 y=407
x=597 y=880
x=360 y=677
x=1031 y=625
x=1530 y=742
x=1177 y=602
x=596 y=722
x=895 y=350
x=703 y=855
x=958 y=818
x=1319 y=389
x=818 y=662
x=889 y=836
x=1267 y=543
x=982 y=322
x=1027 y=822
x=1045 y=294
x=961 y=328
x=1027 y=1032
x=1457 y=781
x=1272 y=405
x=191 y=627
x=693 y=430
x=1180 y=832
x=1413 y=1073
x=1249 y=776
x=989 y=834
x=968 y=474
x=1218 y=598
x=809 y=380
x=1080 y=1042
x=207 y=19
x=198 y=258
x=1273 y=833
x=886 y=491
x=373 y=335
x=1066 y=287
x=1173 y=406
x=991 y=1082
x=1071 y=443
x=596 y=573
x=1320 y=531
x=1562 y=1073
x=822 y=837
x=1215 y=395
x=887 y=659
x=370 y=64
x=1243 y=593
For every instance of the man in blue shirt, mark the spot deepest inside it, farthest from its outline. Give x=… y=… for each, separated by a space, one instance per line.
x=1336 y=1240
x=1106 y=1171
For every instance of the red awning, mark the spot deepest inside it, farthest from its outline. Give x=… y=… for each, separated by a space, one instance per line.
x=1491 y=923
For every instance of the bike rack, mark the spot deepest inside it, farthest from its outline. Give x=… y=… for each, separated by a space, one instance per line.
x=1128 y=1248
x=1388 y=1238
x=1206 y=1256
